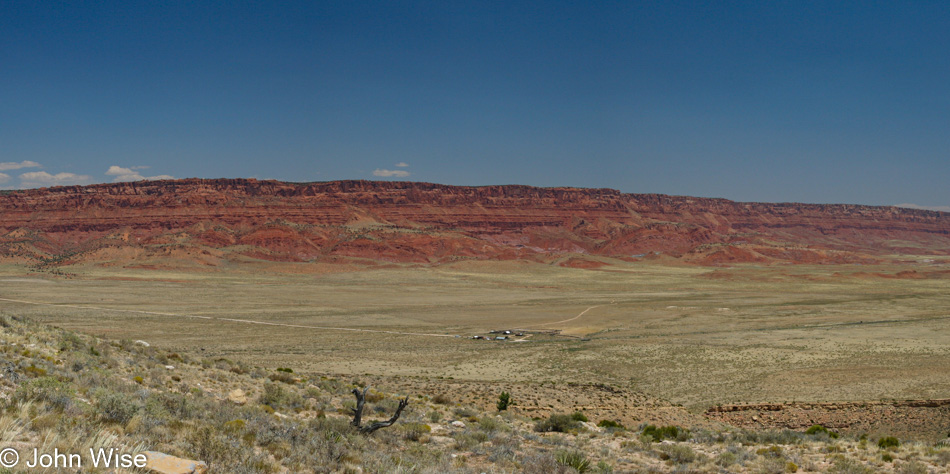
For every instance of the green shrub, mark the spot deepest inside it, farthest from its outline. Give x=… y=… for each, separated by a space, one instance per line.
x=176 y=404
x=817 y=430
x=208 y=445
x=663 y=432
x=504 y=400
x=467 y=440
x=414 y=431
x=578 y=416
x=464 y=412
x=557 y=423
x=34 y=371
x=678 y=453
x=888 y=442
x=770 y=452
x=843 y=465
x=52 y=391
x=314 y=393
x=284 y=377
x=913 y=466
x=116 y=407
x=234 y=426
x=726 y=459
x=46 y=422
x=387 y=406
x=273 y=395
x=610 y=424
x=492 y=424
x=573 y=459
x=154 y=413
x=276 y=397
x=70 y=342
x=240 y=368
x=372 y=396
x=886 y=457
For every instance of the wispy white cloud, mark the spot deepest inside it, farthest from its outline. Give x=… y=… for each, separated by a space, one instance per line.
x=119 y=171
x=130 y=174
x=12 y=165
x=390 y=173
x=37 y=179
x=402 y=164
x=929 y=208
x=4 y=178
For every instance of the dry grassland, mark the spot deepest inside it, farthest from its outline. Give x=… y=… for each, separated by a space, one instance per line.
x=692 y=335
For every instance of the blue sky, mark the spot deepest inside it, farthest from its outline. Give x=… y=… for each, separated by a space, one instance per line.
x=752 y=101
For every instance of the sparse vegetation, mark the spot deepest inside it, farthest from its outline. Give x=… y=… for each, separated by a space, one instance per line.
x=559 y=423
x=888 y=442
x=193 y=423
x=610 y=424
x=657 y=434
x=818 y=430
x=77 y=390
x=677 y=453
x=116 y=407
x=574 y=459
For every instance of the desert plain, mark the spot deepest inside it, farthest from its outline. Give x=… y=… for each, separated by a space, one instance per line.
x=691 y=336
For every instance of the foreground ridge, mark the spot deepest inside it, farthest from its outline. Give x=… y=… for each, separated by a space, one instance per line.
x=230 y=416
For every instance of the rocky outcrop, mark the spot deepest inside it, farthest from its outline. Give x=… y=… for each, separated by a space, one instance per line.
x=161 y=463
x=928 y=403
x=894 y=417
x=208 y=221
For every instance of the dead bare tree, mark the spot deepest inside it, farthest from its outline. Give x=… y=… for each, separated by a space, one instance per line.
x=358 y=413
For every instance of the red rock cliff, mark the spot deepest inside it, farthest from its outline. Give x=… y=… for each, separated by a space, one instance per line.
x=405 y=221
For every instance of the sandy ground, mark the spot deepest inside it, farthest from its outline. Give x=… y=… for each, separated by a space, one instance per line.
x=691 y=335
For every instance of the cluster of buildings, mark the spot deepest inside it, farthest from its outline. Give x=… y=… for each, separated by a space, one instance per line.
x=496 y=335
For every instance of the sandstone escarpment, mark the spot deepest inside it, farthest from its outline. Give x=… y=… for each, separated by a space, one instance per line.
x=423 y=222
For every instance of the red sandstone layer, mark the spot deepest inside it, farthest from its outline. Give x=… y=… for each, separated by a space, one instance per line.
x=423 y=222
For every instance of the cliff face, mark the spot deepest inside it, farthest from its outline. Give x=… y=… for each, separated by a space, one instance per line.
x=224 y=219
